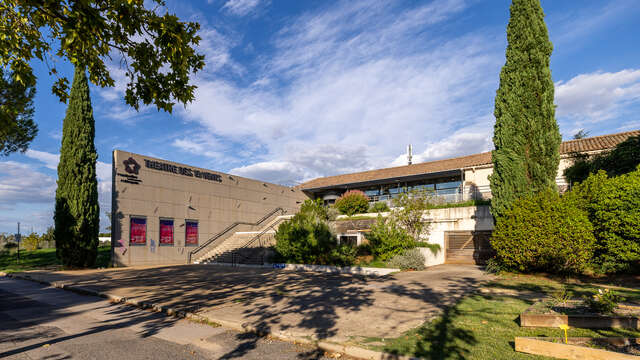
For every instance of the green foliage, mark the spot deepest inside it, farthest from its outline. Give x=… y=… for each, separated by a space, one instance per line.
x=156 y=48
x=77 y=214
x=332 y=213
x=43 y=259
x=410 y=259
x=603 y=302
x=624 y=158
x=494 y=266
x=613 y=205
x=543 y=232
x=17 y=128
x=526 y=134
x=307 y=239
x=31 y=242
x=379 y=207
x=477 y=202
x=387 y=239
x=410 y=211
x=314 y=208
x=352 y=202
x=561 y=296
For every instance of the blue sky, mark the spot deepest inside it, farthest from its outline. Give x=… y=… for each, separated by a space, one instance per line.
x=293 y=90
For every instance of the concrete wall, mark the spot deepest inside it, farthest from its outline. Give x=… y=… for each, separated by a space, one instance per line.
x=182 y=192
x=477 y=179
x=470 y=218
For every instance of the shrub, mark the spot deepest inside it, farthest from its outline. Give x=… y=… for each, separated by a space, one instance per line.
x=387 y=239
x=314 y=208
x=343 y=255
x=410 y=259
x=352 y=202
x=304 y=240
x=332 y=213
x=543 y=232
x=409 y=213
x=493 y=266
x=307 y=239
x=32 y=242
x=624 y=158
x=603 y=302
x=379 y=207
x=613 y=205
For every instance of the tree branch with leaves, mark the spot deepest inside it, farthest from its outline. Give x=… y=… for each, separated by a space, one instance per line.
x=155 y=47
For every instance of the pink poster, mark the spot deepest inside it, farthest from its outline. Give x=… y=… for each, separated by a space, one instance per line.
x=166 y=232
x=191 y=233
x=138 y=233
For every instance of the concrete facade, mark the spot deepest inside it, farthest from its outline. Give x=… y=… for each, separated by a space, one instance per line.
x=153 y=189
x=469 y=218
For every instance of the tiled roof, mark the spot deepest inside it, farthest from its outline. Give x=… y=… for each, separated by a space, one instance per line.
x=596 y=143
x=581 y=145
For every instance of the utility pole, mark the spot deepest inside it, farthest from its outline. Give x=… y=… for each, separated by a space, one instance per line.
x=18 y=240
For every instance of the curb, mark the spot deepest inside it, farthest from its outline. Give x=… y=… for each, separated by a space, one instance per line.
x=349 y=350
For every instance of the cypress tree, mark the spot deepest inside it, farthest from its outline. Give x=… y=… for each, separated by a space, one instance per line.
x=526 y=134
x=77 y=214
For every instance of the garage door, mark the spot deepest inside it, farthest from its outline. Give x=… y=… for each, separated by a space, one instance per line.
x=468 y=247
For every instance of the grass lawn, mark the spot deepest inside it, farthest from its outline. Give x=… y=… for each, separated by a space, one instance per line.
x=484 y=325
x=44 y=259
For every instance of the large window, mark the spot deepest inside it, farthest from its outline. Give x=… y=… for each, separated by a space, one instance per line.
x=166 y=232
x=191 y=233
x=138 y=231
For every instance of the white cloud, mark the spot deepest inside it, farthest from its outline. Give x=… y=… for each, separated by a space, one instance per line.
x=281 y=172
x=50 y=160
x=32 y=189
x=466 y=141
x=597 y=96
x=20 y=183
x=349 y=88
x=240 y=7
x=199 y=145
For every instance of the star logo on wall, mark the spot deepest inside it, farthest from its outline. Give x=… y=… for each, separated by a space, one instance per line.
x=131 y=166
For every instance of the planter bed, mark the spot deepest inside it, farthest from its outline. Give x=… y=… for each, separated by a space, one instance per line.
x=575 y=315
x=581 y=348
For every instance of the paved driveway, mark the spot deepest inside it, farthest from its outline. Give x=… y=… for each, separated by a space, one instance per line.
x=315 y=305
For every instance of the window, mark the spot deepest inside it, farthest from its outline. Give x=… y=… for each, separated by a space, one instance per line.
x=372 y=193
x=191 y=233
x=138 y=231
x=166 y=232
x=448 y=185
x=351 y=240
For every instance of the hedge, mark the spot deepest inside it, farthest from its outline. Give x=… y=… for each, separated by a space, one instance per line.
x=543 y=232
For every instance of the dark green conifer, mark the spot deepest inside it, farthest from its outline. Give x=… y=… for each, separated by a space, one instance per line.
x=526 y=135
x=77 y=214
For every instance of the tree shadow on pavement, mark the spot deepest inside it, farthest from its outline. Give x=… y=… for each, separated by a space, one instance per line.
x=312 y=305
x=22 y=325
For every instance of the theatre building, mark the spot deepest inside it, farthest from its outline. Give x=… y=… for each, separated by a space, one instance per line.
x=169 y=213
x=162 y=211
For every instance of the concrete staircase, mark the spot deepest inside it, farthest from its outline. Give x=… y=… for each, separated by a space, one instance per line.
x=247 y=247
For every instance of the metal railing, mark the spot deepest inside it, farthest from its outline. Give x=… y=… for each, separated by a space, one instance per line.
x=443 y=196
x=236 y=254
x=218 y=238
